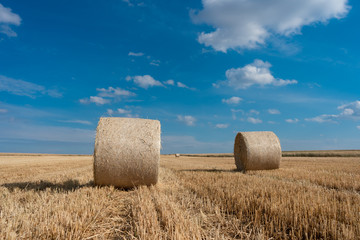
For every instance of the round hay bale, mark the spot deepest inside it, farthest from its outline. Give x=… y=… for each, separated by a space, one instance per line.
x=127 y=152
x=257 y=151
x=177 y=155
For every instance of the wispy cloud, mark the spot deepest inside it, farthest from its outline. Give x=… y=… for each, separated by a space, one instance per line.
x=221 y=125
x=189 y=144
x=132 y=3
x=348 y=111
x=24 y=88
x=2 y=110
x=84 y=122
x=273 y=111
x=27 y=112
x=107 y=95
x=188 y=120
x=253 y=112
x=16 y=130
x=7 y=18
x=294 y=120
x=155 y=62
x=235 y=111
x=136 y=54
x=182 y=85
x=323 y=118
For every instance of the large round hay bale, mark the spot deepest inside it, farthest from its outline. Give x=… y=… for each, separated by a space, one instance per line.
x=127 y=152
x=257 y=151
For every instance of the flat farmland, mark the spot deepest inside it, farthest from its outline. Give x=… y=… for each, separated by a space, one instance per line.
x=53 y=197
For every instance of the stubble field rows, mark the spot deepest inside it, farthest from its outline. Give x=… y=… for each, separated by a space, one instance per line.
x=53 y=197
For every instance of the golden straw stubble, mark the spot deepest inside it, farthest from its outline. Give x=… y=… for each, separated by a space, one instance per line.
x=257 y=151
x=127 y=152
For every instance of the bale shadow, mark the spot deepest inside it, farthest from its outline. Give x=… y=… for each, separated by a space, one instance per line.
x=67 y=186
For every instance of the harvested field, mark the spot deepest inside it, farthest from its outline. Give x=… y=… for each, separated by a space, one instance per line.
x=53 y=197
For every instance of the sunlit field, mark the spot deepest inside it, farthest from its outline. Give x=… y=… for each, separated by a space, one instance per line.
x=53 y=197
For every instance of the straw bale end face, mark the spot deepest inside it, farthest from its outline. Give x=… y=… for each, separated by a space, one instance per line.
x=127 y=152
x=257 y=151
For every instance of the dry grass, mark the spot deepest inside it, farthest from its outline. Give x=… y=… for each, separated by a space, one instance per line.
x=53 y=197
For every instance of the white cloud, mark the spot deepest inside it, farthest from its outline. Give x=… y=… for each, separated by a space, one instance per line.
x=95 y=99
x=23 y=88
x=351 y=110
x=221 y=125
x=123 y=111
x=256 y=73
x=358 y=127
x=145 y=81
x=254 y=120
x=134 y=54
x=114 y=92
x=170 y=82
x=232 y=100
x=7 y=18
x=178 y=84
x=295 y=120
x=348 y=112
x=77 y=121
x=98 y=100
x=2 y=110
x=273 y=111
x=247 y=24
x=188 y=120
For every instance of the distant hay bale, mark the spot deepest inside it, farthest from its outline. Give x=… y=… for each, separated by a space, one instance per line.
x=177 y=155
x=257 y=151
x=127 y=152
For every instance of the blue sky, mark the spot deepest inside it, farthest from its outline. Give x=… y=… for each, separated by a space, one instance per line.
x=206 y=69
